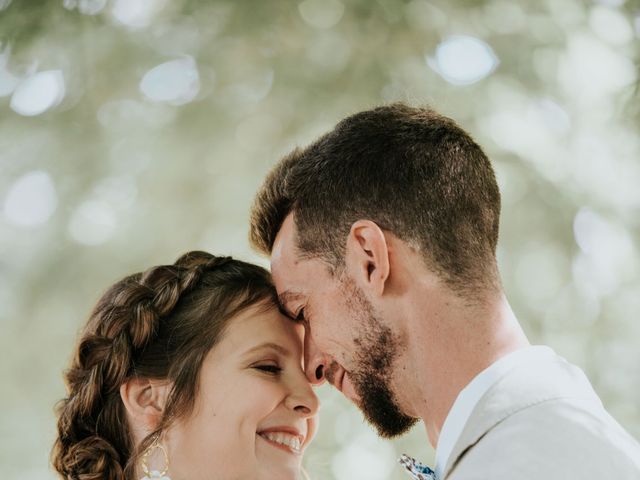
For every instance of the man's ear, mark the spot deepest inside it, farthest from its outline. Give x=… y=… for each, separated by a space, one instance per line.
x=367 y=255
x=145 y=401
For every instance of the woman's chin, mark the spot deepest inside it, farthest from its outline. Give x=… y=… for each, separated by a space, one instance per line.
x=277 y=462
x=271 y=471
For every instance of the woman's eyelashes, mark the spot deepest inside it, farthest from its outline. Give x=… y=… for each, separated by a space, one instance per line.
x=270 y=368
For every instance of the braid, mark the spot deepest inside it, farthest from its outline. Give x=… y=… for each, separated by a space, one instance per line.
x=93 y=435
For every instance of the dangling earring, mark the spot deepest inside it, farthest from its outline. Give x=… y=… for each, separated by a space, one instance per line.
x=155 y=474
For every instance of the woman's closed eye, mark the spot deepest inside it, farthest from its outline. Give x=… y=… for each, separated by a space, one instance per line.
x=269 y=368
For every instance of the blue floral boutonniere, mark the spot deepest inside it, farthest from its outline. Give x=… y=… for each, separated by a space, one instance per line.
x=417 y=470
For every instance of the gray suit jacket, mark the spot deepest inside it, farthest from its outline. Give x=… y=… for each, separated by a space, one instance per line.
x=543 y=421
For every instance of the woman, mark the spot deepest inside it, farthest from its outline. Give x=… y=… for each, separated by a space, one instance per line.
x=187 y=371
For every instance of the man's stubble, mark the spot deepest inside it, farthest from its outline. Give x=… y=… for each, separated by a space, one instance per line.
x=377 y=348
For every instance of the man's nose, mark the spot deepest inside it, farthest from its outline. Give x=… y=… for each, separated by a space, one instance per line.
x=315 y=362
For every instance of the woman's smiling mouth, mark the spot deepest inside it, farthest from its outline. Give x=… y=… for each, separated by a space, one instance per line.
x=284 y=439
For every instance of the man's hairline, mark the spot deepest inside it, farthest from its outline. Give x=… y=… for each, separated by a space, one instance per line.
x=300 y=255
x=429 y=263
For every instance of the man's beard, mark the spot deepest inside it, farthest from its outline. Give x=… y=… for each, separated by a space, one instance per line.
x=377 y=349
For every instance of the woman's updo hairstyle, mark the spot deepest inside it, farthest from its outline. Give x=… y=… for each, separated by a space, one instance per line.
x=159 y=324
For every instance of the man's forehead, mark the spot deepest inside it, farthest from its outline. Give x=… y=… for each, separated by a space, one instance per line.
x=288 y=280
x=284 y=258
x=294 y=276
x=282 y=270
x=284 y=244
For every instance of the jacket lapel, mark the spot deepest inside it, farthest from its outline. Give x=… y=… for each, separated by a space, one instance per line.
x=526 y=385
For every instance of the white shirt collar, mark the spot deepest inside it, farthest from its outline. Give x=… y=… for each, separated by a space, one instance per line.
x=469 y=397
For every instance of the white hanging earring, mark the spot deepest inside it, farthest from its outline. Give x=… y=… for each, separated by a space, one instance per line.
x=155 y=474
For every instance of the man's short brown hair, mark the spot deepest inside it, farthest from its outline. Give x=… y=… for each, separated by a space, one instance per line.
x=411 y=171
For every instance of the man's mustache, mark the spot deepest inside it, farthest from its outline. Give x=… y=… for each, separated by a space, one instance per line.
x=330 y=372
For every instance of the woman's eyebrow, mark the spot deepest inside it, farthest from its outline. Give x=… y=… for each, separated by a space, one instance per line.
x=269 y=346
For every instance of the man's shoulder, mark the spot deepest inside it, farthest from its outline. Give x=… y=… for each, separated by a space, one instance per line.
x=560 y=425
x=527 y=385
x=559 y=438
x=539 y=415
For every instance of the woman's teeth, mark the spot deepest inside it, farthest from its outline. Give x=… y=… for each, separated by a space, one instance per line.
x=286 y=439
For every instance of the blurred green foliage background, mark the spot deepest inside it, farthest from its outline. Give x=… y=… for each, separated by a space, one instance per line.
x=132 y=131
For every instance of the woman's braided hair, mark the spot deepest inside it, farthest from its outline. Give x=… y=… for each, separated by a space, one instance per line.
x=157 y=324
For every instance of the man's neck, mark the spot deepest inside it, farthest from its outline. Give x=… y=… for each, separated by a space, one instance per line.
x=450 y=343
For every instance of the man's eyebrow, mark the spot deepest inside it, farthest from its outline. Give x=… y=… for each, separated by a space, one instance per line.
x=288 y=296
x=269 y=346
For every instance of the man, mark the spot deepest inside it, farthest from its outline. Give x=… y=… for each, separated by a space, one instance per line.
x=382 y=236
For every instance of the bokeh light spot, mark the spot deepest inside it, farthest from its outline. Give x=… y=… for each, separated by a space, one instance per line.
x=38 y=93
x=8 y=81
x=463 y=60
x=611 y=3
x=136 y=13
x=540 y=273
x=606 y=250
x=175 y=82
x=587 y=57
x=321 y=13
x=31 y=200
x=93 y=223
x=91 y=7
x=118 y=190
x=594 y=234
x=610 y=25
x=552 y=115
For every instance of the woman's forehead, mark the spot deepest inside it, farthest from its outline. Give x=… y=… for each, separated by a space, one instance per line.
x=255 y=326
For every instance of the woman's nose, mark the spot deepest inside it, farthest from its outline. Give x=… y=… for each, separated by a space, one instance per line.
x=303 y=399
